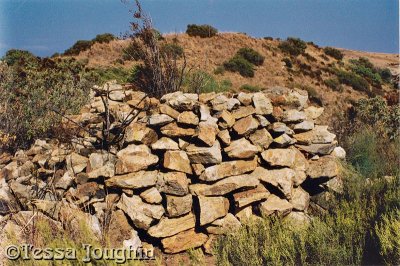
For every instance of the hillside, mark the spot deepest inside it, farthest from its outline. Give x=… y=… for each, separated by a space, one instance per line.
x=309 y=71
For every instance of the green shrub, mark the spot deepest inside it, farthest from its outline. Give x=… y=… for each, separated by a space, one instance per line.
x=79 y=46
x=288 y=62
x=20 y=57
x=220 y=70
x=201 y=82
x=102 y=75
x=333 y=52
x=355 y=81
x=31 y=93
x=203 y=31
x=386 y=74
x=388 y=233
x=268 y=38
x=240 y=65
x=251 y=55
x=334 y=84
x=104 y=38
x=293 y=46
x=366 y=69
x=172 y=49
x=250 y=88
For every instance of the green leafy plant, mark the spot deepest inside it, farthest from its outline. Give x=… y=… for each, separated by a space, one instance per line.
x=293 y=46
x=104 y=38
x=354 y=80
x=333 y=52
x=240 y=65
x=203 y=31
x=251 y=55
x=334 y=84
x=250 y=88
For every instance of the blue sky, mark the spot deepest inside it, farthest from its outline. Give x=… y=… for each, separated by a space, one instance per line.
x=48 y=26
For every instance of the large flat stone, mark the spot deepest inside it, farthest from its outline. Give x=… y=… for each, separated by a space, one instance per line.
x=247 y=197
x=172 y=226
x=134 y=180
x=183 y=241
x=177 y=161
x=224 y=169
x=241 y=149
x=174 y=183
x=205 y=155
x=134 y=158
x=279 y=157
x=224 y=186
x=212 y=208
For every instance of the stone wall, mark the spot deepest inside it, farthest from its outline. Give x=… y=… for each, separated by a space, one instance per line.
x=187 y=168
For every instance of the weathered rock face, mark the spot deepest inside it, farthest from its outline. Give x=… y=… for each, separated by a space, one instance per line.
x=186 y=169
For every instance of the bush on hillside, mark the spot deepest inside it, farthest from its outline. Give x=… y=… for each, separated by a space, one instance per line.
x=287 y=62
x=202 y=82
x=104 y=38
x=334 y=84
x=240 y=65
x=293 y=46
x=79 y=46
x=34 y=98
x=203 y=31
x=173 y=50
x=250 y=88
x=333 y=52
x=20 y=57
x=251 y=55
x=354 y=80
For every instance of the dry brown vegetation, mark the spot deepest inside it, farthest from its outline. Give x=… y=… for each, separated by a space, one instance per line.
x=209 y=53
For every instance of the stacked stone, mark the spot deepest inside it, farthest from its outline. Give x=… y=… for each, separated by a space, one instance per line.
x=190 y=168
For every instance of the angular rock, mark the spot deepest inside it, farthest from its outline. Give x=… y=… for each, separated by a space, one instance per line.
x=188 y=118
x=313 y=112
x=165 y=144
x=279 y=127
x=274 y=204
x=76 y=163
x=101 y=164
x=159 y=120
x=177 y=206
x=174 y=183
x=261 y=138
x=204 y=155
x=304 y=126
x=207 y=132
x=209 y=245
x=142 y=214
x=183 y=241
x=134 y=158
x=120 y=233
x=151 y=195
x=247 y=197
x=294 y=116
x=319 y=135
x=136 y=98
x=283 y=141
x=262 y=104
x=168 y=110
x=65 y=181
x=212 y=208
x=339 y=153
x=231 y=168
x=262 y=120
x=205 y=114
x=139 y=133
x=226 y=119
x=300 y=199
x=298 y=219
x=245 y=126
x=173 y=130
x=245 y=98
x=279 y=157
x=181 y=101
x=198 y=168
x=219 y=103
x=243 y=111
x=135 y=180
x=224 y=136
x=232 y=103
x=325 y=167
x=224 y=186
x=320 y=149
x=280 y=178
x=241 y=149
x=177 y=161
x=224 y=225
x=206 y=97
x=172 y=226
